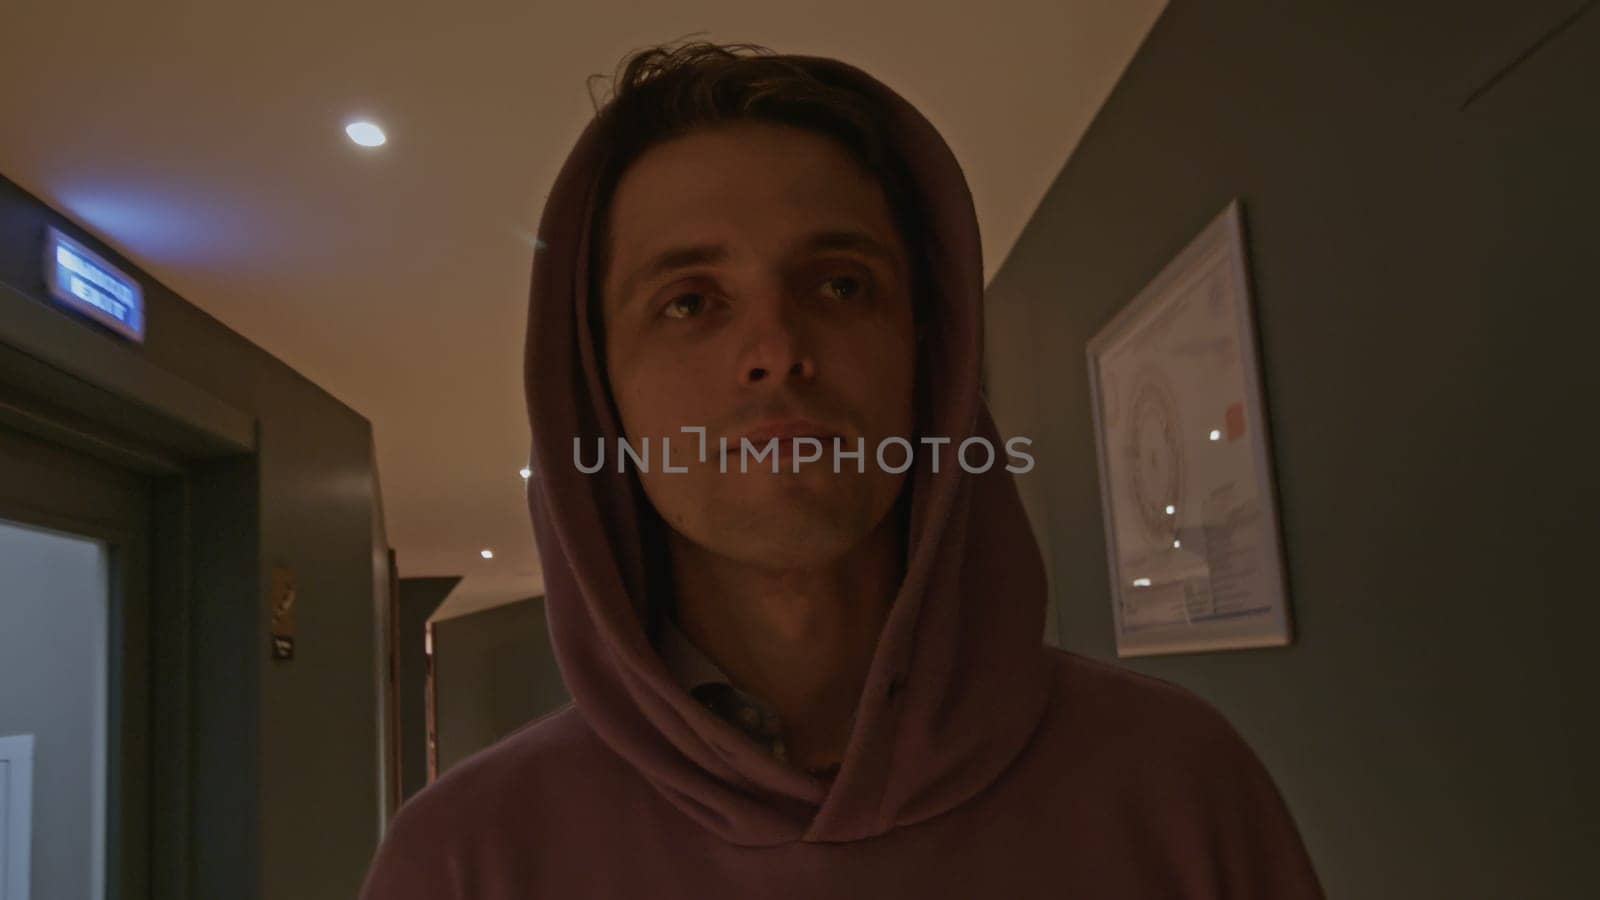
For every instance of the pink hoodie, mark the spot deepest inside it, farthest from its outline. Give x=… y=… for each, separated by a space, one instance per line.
x=982 y=763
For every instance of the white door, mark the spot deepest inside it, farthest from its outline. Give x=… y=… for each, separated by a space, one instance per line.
x=16 y=814
x=54 y=687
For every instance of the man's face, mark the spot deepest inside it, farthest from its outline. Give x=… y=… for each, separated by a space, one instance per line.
x=772 y=316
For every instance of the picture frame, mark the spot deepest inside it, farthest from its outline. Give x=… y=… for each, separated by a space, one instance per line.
x=1188 y=494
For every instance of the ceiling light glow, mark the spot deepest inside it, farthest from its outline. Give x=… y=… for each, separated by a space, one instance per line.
x=366 y=134
x=487 y=554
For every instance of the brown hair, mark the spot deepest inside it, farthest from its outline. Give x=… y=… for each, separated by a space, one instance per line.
x=664 y=92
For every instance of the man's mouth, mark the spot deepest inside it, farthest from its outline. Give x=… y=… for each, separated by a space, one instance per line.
x=787 y=433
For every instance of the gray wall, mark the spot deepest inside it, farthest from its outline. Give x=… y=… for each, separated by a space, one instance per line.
x=287 y=752
x=494 y=672
x=1421 y=225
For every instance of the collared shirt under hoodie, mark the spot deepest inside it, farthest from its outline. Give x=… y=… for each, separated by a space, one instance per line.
x=980 y=764
x=706 y=682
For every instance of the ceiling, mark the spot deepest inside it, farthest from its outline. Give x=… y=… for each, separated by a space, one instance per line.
x=204 y=140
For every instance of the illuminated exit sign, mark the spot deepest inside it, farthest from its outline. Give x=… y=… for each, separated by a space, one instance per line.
x=84 y=282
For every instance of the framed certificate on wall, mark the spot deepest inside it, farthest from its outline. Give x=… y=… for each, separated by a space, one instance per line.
x=1186 y=482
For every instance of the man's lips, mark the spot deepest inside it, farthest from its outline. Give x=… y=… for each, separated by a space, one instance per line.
x=785 y=431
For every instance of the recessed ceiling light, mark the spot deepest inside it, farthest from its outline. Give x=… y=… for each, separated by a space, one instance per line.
x=487 y=554
x=366 y=134
x=526 y=472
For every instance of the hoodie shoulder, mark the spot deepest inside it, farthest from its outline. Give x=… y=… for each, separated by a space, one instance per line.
x=1146 y=705
x=1150 y=725
x=441 y=838
x=1172 y=760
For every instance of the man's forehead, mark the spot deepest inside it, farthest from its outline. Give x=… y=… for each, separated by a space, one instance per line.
x=744 y=179
x=781 y=194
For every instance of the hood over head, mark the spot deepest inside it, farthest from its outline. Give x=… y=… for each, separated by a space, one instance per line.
x=959 y=678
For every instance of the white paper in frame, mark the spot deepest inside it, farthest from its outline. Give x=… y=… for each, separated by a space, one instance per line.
x=1188 y=498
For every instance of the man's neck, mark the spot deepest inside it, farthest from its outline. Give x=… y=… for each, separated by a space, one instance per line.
x=800 y=639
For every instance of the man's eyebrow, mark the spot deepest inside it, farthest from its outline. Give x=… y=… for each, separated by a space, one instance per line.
x=859 y=241
x=675 y=258
x=671 y=260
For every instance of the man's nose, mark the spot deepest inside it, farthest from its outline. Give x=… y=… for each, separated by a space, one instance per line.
x=778 y=346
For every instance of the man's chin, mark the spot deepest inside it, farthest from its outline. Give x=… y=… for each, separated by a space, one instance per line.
x=768 y=548
x=797 y=530
x=784 y=520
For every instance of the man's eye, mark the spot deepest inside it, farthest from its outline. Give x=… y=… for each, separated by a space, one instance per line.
x=853 y=287
x=684 y=306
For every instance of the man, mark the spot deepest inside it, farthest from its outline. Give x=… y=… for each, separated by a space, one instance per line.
x=825 y=679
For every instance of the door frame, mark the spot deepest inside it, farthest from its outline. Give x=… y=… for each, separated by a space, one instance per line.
x=80 y=392
x=118 y=513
